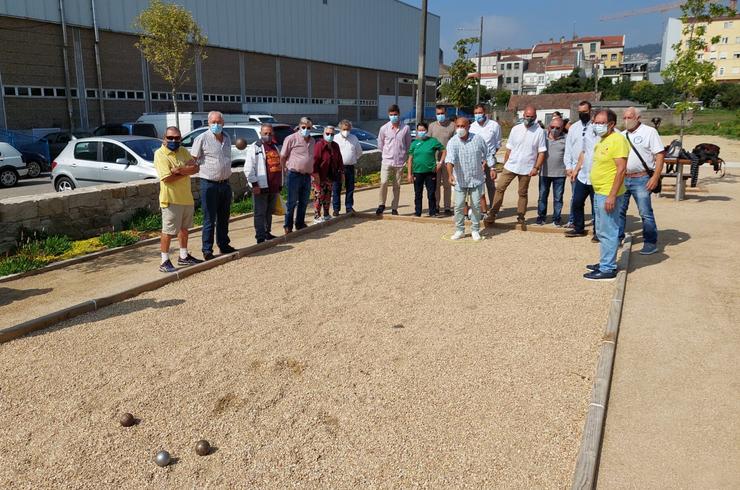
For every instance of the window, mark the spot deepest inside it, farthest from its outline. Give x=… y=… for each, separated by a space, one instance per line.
x=508 y=79
x=140 y=95
x=700 y=56
x=614 y=57
x=737 y=40
x=722 y=55
x=503 y=65
x=603 y=56
x=722 y=70
x=91 y=93
x=728 y=25
x=723 y=40
x=736 y=55
x=187 y=142
x=516 y=66
x=60 y=92
x=9 y=91
x=515 y=92
x=516 y=79
x=712 y=56
x=112 y=152
x=593 y=47
x=73 y=92
x=48 y=92
x=87 y=150
x=23 y=91
x=248 y=134
x=508 y=66
x=736 y=70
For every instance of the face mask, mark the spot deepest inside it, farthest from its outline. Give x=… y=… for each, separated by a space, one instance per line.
x=555 y=132
x=479 y=117
x=329 y=137
x=528 y=121
x=584 y=117
x=305 y=132
x=393 y=118
x=600 y=129
x=630 y=123
x=421 y=134
x=441 y=118
x=173 y=145
x=345 y=133
x=266 y=138
x=217 y=128
x=461 y=132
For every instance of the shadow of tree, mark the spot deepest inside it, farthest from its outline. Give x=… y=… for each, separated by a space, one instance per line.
x=10 y=295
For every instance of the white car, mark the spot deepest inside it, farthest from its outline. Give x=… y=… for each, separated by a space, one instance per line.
x=104 y=160
x=12 y=166
x=249 y=132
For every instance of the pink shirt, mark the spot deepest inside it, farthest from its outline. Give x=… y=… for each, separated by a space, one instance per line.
x=394 y=143
x=299 y=153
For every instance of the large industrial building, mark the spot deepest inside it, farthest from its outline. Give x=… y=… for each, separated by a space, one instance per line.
x=329 y=59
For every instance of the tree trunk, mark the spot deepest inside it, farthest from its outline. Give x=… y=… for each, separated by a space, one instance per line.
x=177 y=111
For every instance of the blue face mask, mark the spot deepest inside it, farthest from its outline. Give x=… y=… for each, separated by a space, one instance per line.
x=305 y=132
x=600 y=129
x=421 y=134
x=329 y=137
x=441 y=118
x=173 y=145
x=393 y=118
x=217 y=128
x=479 y=117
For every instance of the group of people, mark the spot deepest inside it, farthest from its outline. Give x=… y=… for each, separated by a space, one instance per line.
x=600 y=162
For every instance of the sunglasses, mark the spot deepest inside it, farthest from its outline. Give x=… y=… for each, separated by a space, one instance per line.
x=172 y=138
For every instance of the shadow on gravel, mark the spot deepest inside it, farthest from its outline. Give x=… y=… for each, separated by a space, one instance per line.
x=9 y=295
x=666 y=239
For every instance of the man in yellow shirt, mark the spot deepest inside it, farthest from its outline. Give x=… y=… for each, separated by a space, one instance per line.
x=174 y=166
x=607 y=178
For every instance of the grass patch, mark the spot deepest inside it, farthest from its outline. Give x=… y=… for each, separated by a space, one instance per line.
x=118 y=239
x=367 y=179
x=20 y=263
x=144 y=220
x=709 y=122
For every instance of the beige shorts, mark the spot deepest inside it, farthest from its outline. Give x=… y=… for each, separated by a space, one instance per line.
x=176 y=217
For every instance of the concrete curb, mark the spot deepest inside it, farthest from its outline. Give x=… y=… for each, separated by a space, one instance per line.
x=50 y=319
x=587 y=463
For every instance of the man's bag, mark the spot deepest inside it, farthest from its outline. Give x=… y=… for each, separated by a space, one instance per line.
x=279 y=207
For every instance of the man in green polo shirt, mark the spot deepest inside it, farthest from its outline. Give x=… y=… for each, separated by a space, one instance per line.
x=607 y=178
x=422 y=167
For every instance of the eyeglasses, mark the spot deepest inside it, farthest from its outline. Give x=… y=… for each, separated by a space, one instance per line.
x=172 y=138
x=304 y=127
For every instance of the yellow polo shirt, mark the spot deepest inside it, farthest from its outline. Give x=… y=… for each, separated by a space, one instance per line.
x=177 y=192
x=603 y=169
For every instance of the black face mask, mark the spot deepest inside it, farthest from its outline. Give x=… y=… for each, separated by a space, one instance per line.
x=584 y=117
x=528 y=121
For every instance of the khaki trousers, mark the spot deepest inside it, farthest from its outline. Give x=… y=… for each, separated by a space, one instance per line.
x=387 y=171
x=443 y=182
x=502 y=182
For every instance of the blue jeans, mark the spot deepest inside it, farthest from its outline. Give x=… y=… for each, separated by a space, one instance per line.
x=636 y=188
x=607 y=230
x=215 y=200
x=349 y=193
x=558 y=187
x=475 y=194
x=299 y=186
x=580 y=192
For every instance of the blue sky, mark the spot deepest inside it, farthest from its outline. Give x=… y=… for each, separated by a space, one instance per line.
x=518 y=24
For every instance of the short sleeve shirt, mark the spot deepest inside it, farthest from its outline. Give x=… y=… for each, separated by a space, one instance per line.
x=524 y=143
x=177 y=191
x=213 y=156
x=299 y=153
x=604 y=169
x=648 y=143
x=423 y=152
x=442 y=133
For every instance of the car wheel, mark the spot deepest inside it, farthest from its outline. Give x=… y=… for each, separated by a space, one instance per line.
x=8 y=177
x=34 y=169
x=64 y=184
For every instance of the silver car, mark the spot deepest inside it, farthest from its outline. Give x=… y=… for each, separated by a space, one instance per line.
x=249 y=131
x=104 y=160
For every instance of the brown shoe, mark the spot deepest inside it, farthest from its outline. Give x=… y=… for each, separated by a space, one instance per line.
x=288 y=231
x=490 y=218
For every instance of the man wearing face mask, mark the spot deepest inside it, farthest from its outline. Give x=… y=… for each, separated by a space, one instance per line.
x=265 y=176
x=212 y=151
x=296 y=157
x=490 y=131
x=646 y=158
x=580 y=140
x=466 y=159
x=552 y=174
x=351 y=150
x=174 y=167
x=607 y=178
x=327 y=169
x=525 y=153
x=442 y=129
x=394 y=139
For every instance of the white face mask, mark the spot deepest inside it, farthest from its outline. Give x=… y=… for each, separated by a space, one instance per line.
x=461 y=132
x=345 y=133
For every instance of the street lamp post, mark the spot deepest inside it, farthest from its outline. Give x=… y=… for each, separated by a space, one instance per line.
x=421 y=79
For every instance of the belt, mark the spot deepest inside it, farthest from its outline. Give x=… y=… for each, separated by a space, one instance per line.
x=216 y=181
x=636 y=174
x=291 y=171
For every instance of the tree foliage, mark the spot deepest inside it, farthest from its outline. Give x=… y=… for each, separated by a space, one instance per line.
x=170 y=41
x=460 y=90
x=499 y=97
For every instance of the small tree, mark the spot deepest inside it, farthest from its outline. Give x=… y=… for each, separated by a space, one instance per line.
x=459 y=91
x=171 y=41
x=499 y=97
x=686 y=72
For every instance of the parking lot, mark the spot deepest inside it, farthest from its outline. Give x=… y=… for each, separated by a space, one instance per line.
x=28 y=187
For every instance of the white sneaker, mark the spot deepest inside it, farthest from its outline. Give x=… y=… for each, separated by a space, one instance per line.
x=476 y=235
x=457 y=235
x=318 y=220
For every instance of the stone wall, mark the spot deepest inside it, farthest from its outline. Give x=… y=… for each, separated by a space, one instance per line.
x=90 y=211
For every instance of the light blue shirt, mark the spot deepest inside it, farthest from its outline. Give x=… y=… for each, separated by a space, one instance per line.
x=580 y=138
x=467 y=158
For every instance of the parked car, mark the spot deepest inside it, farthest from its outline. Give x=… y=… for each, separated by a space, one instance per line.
x=250 y=132
x=129 y=128
x=368 y=141
x=104 y=160
x=35 y=163
x=58 y=140
x=12 y=166
x=262 y=118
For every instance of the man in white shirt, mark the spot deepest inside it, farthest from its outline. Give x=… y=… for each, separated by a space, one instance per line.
x=581 y=140
x=351 y=151
x=525 y=153
x=490 y=131
x=645 y=146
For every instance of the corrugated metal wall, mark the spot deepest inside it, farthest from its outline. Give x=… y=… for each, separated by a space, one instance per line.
x=376 y=34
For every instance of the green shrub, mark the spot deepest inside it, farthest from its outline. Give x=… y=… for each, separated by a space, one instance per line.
x=118 y=239
x=20 y=263
x=56 y=245
x=241 y=207
x=144 y=220
x=198 y=217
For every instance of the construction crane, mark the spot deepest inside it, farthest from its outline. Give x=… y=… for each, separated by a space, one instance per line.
x=647 y=10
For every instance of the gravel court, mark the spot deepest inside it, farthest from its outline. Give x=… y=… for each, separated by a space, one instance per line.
x=381 y=355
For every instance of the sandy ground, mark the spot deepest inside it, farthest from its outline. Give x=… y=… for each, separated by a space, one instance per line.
x=729 y=149
x=372 y=355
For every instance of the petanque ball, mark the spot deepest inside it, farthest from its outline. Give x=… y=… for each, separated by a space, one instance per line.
x=240 y=144
x=127 y=420
x=162 y=458
x=202 y=448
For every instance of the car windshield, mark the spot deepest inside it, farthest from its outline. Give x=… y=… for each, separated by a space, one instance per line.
x=145 y=148
x=282 y=132
x=268 y=119
x=363 y=135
